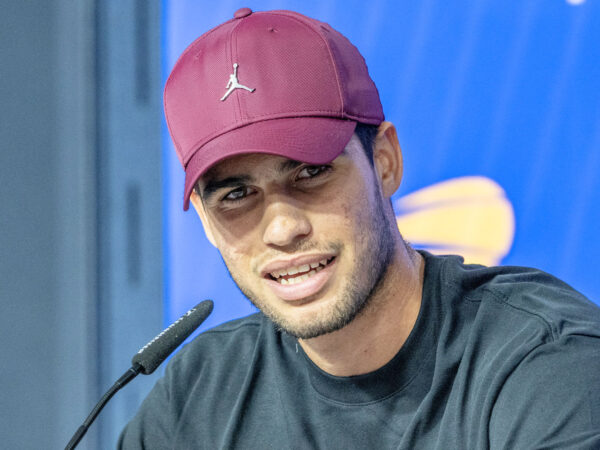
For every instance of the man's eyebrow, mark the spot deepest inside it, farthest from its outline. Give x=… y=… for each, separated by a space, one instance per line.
x=214 y=185
x=288 y=165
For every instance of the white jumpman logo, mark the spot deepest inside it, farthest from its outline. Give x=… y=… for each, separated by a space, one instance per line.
x=234 y=84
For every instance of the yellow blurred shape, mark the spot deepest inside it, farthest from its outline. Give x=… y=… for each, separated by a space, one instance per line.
x=469 y=216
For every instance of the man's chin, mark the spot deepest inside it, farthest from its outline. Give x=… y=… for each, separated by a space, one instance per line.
x=316 y=323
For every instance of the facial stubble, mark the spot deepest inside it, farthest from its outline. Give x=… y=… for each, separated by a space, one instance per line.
x=377 y=250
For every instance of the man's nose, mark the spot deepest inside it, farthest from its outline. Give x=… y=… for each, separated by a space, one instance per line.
x=285 y=224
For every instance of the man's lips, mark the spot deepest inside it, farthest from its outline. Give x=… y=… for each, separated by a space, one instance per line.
x=299 y=278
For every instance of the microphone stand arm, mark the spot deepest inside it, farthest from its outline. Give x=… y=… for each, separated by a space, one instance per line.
x=131 y=373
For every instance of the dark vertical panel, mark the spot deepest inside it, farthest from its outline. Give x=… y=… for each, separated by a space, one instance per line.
x=133 y=227
x=142 y=50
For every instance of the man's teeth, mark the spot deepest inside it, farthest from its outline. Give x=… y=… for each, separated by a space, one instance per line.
x=307 y=270
x=300 y=278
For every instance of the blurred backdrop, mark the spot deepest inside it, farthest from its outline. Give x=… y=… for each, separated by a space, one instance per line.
x=497 y=107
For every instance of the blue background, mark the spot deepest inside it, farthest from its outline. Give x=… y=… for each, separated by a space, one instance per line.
x=508 y=90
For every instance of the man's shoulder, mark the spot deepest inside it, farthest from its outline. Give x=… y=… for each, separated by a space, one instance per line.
x=522 y=293
x=525 y=346
x=240 y=329
x=237 y=326
x=217 y=345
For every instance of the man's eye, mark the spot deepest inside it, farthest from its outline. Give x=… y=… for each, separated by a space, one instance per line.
x=238 y=194
x=312 y=171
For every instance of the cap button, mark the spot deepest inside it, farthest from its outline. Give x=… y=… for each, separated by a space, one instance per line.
x=242 y=12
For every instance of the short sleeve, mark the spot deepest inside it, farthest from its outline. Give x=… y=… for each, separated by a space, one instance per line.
x=552 y=398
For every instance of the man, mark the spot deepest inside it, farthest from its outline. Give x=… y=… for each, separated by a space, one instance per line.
x=362 y=342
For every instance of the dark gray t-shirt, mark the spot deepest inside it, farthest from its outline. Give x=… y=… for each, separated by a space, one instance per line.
x=501 y=358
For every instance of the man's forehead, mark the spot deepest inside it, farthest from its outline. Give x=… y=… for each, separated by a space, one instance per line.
x=247 y=164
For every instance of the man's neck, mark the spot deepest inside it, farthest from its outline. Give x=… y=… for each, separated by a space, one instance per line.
x=379 y=331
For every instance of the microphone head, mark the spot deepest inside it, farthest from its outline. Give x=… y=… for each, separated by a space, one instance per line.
x=156 y=351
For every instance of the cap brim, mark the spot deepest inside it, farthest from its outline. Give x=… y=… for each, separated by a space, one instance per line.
x=312 y=140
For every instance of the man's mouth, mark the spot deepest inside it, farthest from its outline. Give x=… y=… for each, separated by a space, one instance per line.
x=298 y=274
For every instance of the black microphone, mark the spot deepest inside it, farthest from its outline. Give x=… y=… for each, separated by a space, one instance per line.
x=149 y=358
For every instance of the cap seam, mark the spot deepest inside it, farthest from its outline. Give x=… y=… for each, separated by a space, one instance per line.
x=232 y=48
x=331 y=58
x=193 y=45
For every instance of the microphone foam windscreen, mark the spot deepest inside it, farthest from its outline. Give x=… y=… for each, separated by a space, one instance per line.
x=157 y=350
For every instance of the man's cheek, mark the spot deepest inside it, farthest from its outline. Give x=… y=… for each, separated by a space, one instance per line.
x=238 y=225
x=235 y=258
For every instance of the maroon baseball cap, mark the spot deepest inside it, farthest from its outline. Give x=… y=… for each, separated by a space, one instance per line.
x=273 y=82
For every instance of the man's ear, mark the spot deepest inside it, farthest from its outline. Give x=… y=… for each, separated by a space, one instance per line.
x=387 y=157
x=199 y=207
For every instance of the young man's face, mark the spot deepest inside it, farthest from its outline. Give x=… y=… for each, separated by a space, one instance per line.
x=306 y=244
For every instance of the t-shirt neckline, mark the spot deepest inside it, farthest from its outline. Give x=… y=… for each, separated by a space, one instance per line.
x=402 y=369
